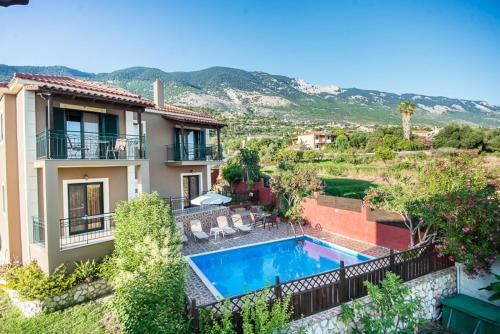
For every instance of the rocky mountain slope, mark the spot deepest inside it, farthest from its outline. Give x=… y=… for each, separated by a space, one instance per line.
x=235 y=90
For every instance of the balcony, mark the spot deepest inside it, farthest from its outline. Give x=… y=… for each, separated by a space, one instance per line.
x=37 y=232
x=192 y=154
x=52 y=144
x=81 y=231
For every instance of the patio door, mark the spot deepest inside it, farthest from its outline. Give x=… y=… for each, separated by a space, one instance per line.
x=85 y=207
x=191 y=188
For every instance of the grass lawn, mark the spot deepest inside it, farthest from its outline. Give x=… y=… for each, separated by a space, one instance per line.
x=342 y=187
x=80 y=319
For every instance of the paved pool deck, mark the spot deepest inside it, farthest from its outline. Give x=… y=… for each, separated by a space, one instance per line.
x=195 y=289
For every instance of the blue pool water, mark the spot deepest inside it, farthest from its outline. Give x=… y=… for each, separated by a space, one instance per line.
x=235 y=271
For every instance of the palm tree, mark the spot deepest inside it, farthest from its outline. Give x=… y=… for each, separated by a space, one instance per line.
x=407 y=108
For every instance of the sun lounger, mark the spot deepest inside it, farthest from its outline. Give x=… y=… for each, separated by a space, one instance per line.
x=224 y=225
x=238 y=223
x=197 y=230
x=180 y=228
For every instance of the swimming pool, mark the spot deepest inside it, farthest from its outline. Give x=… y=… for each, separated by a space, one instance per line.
x=234 y=271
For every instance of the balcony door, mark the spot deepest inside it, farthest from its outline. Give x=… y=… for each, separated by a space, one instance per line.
x=190 y=188
x=82 y=135
x=189 y=144
x=85 y=207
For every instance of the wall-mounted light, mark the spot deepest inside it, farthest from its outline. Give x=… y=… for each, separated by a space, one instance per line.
x=191 y=171
x=86 y=177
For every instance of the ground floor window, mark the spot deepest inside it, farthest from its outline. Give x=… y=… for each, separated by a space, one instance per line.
x=85 y=207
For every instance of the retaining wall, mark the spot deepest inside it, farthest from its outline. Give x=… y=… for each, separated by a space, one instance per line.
x=76 y=295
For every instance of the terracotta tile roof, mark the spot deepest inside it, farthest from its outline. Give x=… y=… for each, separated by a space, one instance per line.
x=4 y=84
x=69 y=85
x=179 y=114
x=318 y=133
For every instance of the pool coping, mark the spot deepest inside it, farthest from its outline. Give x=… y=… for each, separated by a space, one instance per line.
x=218 y=296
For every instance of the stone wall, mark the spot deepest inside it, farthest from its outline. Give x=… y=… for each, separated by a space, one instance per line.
x=76 y=295
x=207 y=218
x=431 y=289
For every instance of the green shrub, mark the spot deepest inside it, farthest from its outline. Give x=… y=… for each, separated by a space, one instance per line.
x=384 y=154
x=334 y=170
x=86 y=271
x=32 y=283
x=392 y=309
x=150 y=270
x=258 y=318
x=232 y=171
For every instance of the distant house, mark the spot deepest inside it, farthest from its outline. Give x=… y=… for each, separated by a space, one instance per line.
x=315 y=139
x=426 y=134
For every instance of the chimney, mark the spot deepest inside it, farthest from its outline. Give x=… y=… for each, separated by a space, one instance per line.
x=158 y=93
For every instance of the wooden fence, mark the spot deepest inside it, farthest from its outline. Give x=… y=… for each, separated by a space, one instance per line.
x=320 y=292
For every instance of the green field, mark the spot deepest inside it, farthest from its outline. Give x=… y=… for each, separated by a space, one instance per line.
x=81 y=319
x=351 y=188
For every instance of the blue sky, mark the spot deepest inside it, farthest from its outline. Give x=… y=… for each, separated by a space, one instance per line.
x=449 y=48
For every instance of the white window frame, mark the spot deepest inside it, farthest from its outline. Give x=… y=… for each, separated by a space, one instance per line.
x=182 y=183
x=105 y=194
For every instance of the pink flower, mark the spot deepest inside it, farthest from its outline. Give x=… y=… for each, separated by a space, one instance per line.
x=466 y=229
x=451 y=258
x=492 y=260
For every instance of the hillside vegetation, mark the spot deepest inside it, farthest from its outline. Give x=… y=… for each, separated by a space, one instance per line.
x=259 y=93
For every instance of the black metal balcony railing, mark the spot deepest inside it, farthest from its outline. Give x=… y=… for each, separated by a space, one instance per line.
x=193 y=153
x=52 y=144
x=182 y=205
x=78 y=231
x=38 y=232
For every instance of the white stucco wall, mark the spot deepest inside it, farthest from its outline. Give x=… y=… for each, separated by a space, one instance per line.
x=470 y=286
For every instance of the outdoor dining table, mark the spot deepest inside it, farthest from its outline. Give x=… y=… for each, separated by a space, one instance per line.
x=264 y=216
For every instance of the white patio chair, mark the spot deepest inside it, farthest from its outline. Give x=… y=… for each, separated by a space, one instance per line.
x=224 y=226
x=180 y=228
x=197 y=230
x=120 y=146
x=238 y=223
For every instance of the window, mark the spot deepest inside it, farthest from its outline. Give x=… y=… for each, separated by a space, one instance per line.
x=85 y=205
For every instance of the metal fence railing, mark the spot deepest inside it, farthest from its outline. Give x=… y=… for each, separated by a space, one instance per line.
x=193 y=153
x=78 y=231
x=52 y=144
x=38 y=232
x=182 y=205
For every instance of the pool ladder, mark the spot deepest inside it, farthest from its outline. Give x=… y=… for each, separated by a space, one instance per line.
x=292 y=225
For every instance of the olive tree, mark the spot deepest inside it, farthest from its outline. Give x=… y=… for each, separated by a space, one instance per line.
x=293 y=184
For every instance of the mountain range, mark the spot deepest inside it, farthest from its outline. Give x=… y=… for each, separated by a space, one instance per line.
x=237 y=91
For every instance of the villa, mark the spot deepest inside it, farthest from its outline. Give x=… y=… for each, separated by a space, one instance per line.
x=315 y=139
x=70 y=150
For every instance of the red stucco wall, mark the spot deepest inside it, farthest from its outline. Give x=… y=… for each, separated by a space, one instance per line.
x=355 y=225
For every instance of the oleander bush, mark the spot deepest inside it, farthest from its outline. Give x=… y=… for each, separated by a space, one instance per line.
x=149 y=271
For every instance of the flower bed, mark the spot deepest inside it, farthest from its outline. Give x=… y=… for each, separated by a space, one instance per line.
x=76 y=295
